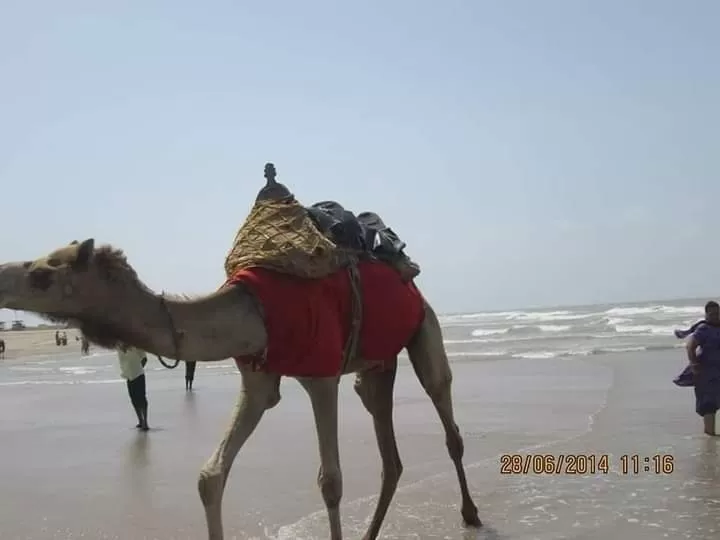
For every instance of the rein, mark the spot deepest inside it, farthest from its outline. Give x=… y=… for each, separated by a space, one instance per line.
x=173 y=332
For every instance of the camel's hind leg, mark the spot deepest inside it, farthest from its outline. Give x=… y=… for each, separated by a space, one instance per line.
x=428 y=358
x=323 y=394
x=375 y=389
x=260 y=392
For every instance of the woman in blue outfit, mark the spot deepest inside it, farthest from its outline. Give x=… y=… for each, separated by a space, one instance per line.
x=705 y=366
x=686 y=378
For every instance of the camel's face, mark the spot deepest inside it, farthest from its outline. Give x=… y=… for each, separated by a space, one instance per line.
x=65 y=282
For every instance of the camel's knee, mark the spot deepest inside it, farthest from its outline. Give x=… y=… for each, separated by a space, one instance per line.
x=330 y=483
x=210 y=485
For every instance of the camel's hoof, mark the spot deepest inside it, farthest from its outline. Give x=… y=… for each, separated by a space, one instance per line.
x=470 y=517
x=475 y=522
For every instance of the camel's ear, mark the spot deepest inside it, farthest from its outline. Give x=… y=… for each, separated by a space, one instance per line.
x=74 y=243
x=84 y=254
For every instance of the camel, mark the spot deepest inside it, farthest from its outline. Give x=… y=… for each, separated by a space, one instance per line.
x=97 y=290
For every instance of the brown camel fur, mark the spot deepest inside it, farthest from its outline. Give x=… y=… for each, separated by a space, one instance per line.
x=100 y=293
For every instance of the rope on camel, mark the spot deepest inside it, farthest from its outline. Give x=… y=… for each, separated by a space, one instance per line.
x=177 y=362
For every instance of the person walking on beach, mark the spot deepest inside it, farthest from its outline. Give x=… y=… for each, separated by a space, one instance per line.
x=686 y=378
x=706 y=366
x=132 y=364
x=2 y=348
x=189 y=375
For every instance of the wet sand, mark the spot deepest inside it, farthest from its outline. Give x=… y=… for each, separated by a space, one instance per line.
x=73 y=466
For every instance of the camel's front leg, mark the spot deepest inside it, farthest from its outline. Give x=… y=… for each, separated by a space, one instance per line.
x=375 y=389
x=323 y=394
x=260 y=392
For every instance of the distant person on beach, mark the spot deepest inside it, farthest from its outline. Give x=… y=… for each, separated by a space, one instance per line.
x=189 y=375
x=705 y=366
x=132 y=364
x=2 y=348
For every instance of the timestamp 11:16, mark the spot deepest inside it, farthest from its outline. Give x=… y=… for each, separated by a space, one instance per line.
x=638 y=464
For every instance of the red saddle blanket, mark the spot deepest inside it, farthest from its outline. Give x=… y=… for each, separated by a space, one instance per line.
x=308 y=320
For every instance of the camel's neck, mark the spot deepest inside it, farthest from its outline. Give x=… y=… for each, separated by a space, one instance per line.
x=215 y=327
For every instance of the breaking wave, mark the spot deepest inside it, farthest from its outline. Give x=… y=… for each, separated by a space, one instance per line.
x=585 y=331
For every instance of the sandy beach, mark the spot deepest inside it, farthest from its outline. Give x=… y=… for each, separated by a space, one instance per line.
x=73 y=466
x=37 y=342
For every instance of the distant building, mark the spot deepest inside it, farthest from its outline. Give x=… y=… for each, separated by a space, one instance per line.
x=2 y=326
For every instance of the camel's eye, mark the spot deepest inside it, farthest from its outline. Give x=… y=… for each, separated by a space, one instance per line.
x=41 y=278
x=54 y=262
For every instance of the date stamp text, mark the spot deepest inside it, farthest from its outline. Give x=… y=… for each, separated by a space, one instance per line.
x=584 y=464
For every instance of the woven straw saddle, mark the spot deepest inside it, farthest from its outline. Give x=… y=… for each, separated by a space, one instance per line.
x=311 y=242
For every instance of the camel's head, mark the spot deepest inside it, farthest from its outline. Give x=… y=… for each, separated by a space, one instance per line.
x=73 y=282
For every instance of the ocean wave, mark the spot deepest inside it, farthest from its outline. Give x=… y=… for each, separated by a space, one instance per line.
x=554 y=327
x=540 y=316
x=650 y=310
x=464 y=341
x=77 y=370
x=612 y=321
x=536 y=355
x=489 y=331
x=571 y=315
x=545 y=355
x=453 y=354
x=520 y=329
x=520 y=316
x=651 y=329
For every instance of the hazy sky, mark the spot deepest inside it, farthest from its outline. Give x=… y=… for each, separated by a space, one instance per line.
x=529 y=152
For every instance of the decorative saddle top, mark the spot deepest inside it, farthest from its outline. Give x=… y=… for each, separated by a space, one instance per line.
x=311 y=242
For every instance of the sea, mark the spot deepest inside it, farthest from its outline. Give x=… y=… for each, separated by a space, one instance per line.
x=562 y=332
x=570 y=331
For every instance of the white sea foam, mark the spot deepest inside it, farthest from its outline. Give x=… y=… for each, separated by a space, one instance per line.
x=77 y=370
x=539 y=316
x=645 y=329
x=456 y=354
x=537 y=355
x=661 y=309
x=464 y=341
x=489 y=331
x=612 y=321
x=554 y=327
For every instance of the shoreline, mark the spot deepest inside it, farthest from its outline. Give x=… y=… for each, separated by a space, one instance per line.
x=36 y=343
